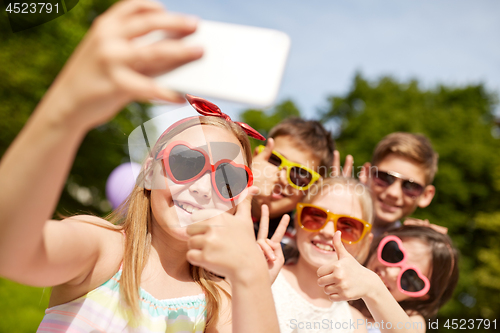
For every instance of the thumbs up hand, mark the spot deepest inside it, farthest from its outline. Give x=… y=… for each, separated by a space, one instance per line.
x=345 y=279
x=225 y=244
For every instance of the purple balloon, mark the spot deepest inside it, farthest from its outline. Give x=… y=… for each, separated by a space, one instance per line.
x=120 y=183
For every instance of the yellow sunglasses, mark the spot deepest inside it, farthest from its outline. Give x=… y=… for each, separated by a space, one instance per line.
x=299 y=176
x=314 y=218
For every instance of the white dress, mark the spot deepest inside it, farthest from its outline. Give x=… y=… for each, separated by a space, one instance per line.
x=297 y=315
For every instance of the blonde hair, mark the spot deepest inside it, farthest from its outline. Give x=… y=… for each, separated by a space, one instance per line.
x=352 y=187
x=135 y=218
x=416 y=147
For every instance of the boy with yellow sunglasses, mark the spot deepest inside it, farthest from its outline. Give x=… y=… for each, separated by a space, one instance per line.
x=298 y=153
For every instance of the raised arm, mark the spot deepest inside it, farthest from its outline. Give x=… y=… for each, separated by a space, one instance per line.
x=106 y=71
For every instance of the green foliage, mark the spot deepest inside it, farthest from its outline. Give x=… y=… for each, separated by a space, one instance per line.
x=35 y=57
x=264 y=121
x=460 y=122
x=30 y=60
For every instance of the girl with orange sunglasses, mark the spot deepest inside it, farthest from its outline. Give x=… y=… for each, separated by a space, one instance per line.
x=333 y=204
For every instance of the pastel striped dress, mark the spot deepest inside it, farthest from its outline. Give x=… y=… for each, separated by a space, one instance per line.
x=100 y=311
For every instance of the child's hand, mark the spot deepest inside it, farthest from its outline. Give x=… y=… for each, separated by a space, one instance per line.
x=347 y=170
x=109 y=69
x=364 y=174
x=272 y=247
x=265 y=175
x=225 y=244
x=345 y=279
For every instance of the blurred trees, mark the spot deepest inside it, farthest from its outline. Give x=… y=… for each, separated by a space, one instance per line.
x=263 y=121
x=459 y=122
x=461 y=125
x=30 y=61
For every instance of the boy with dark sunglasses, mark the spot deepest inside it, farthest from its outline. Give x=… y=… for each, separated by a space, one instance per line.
x=400 y=177
x=297 y=154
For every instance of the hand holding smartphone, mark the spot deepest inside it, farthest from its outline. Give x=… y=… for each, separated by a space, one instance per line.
x=240 y=63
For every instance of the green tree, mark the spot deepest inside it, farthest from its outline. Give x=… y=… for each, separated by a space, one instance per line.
x=263 y=121
x=31 y=59
x=460 y=123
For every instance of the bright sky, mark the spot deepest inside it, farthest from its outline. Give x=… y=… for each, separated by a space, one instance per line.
x=436 y=41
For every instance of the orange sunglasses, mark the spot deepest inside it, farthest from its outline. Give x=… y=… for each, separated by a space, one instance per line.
x=314 y=218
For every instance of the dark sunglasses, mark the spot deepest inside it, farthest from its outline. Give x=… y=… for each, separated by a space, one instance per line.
x=184 y=164
x=410 y=280
x=408 y=186
x=314 y=218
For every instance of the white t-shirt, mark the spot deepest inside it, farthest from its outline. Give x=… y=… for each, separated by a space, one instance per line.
x=297 y=315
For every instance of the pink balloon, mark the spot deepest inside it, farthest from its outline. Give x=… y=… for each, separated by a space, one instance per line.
x=120 y=183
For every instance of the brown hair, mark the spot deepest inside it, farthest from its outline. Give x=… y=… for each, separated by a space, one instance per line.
x=135 y=217
x=444 y=269
x=416 y=147
x=311 y=136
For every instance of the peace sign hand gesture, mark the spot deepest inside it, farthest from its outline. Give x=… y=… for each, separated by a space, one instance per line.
x=272 y=247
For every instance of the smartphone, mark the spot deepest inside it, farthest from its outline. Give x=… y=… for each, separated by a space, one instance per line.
x=240 y=63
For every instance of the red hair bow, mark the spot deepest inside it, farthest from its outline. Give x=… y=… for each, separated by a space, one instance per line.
x=207 y=108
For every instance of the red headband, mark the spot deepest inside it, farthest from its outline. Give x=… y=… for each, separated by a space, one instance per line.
x=207 y=108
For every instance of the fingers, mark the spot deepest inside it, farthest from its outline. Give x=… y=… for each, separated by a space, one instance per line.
x=176 y=25
x=414 y=221
x=365 y=173
x=281 y=229
x=337 y=298
x=339 y=246
x=337 y=171
x=197 y=229
x=141 y=87
x=196 y=242
x=130 y=7
x=244 y=208
x=267 y=249
x=327 y=280
x=325 y=270
x=268 y=150
x=274 y=245
x=164 y=56
x=195 y=257
x=349 y=161
x=336 y=164
x=264 y=223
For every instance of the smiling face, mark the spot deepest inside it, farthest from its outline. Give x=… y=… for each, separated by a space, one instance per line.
x=172 y=206
x=418 y=254
x=284 y=197
x=390 y=203
x=316 y=248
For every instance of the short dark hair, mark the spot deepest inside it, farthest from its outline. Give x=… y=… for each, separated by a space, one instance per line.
x=311 y=136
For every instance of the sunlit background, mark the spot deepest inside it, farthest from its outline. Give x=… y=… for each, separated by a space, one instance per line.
x=364 y=68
